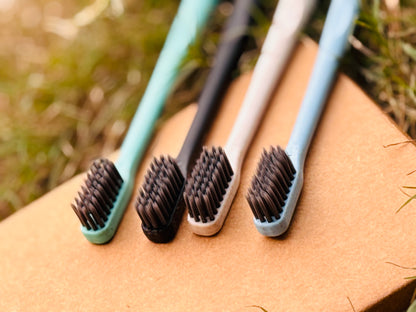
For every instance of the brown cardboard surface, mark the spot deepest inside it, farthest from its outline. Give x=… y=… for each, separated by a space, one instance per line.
x=334 y=257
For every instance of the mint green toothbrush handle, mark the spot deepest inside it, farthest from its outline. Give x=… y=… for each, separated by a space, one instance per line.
x=190 y=19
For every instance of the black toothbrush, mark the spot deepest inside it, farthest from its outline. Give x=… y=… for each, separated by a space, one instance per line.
x=160 y=202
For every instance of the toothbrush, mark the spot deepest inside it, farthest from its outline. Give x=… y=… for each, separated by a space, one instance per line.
x=160 y=203
x=277 y=184
x=215 y=178
x=108 y=187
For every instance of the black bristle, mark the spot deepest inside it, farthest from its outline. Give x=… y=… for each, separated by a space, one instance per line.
x=160 y=191
x=207 y=184
x=97 y=196
x=271 y=184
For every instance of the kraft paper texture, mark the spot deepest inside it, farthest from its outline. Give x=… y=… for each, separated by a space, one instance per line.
x=336 y=255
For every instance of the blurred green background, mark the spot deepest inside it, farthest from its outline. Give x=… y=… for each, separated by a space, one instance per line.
x=72 y=74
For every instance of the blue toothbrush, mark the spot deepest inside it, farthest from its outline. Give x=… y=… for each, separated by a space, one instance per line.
x=278 y=181
x=108 y=187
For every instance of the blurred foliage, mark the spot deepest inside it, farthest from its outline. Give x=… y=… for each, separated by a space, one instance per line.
x=383 y=60
x=68 y=86
x=72 y=74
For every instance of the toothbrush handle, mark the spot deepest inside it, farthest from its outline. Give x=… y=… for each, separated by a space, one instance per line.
x=288 y=19
x=229 y=51
x=334 y=39
x=189 y=20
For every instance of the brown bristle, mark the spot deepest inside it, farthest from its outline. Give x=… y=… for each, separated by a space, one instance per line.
x=160 y=191
x=207 y=185
x=98 y=195
x=271 y=184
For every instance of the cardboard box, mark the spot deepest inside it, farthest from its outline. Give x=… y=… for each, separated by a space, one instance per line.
x=335 y=256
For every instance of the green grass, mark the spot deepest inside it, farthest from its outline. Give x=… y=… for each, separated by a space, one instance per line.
x=66 y=101
x=388 y=59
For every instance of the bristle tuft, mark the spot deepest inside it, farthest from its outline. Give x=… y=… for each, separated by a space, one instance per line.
x=207 y=185
x=160 y=191
x=271 y=184
x=98 y=195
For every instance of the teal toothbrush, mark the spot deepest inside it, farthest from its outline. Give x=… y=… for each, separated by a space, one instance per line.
x=276 y=187
x=104 y=197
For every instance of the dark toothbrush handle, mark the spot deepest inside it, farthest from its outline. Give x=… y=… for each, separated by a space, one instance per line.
x=228 y=54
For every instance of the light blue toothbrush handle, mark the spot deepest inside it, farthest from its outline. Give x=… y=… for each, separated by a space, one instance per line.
x=334 y=39
x=189 y=20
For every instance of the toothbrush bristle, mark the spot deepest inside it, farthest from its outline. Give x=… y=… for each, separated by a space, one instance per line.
x=160 y=191
x=97 y=196
x=207 y=184
x=271 y=184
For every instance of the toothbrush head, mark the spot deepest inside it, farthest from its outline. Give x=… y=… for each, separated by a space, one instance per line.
x=274 y=191
x=97 y=205
x=210 y=191
x=159 y=203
